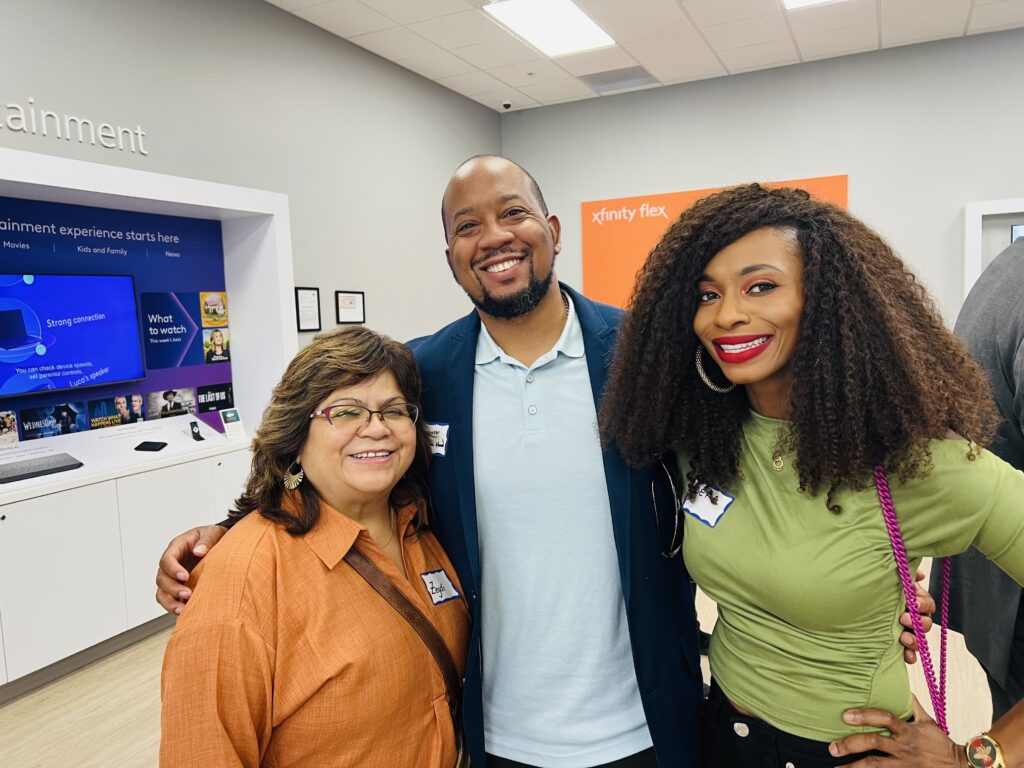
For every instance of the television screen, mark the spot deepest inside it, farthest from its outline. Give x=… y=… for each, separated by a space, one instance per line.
x=62 y=332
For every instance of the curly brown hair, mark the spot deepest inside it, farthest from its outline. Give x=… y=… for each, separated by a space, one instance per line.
x=876 y=372
x=340 y=358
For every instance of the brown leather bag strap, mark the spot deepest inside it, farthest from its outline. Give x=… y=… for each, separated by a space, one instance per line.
x=408 y=611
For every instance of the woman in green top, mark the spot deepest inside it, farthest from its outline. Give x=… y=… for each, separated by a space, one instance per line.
x=782 y=350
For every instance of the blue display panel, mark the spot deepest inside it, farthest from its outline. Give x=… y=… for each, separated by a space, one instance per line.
x=60 y=332
x=178 y=306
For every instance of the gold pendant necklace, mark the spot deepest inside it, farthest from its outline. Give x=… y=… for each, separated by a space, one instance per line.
x=777 y=463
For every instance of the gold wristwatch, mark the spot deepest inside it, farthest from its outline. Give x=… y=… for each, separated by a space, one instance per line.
x=984 y=752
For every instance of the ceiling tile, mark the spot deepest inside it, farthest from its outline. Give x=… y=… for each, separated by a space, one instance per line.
x=460 y=29
x=668 y=48
x=645 y=20
x=596 y=61
x=294 y=5
x=997 y=15
x=598 y=9
x=437 y=64
x=895 y=9
x=411 y=11
x=396 y=44
x=345 y=18
x=529 y=73
x=497 y=53
x=823 y=18
x=706 y=13
x=495 y=100
x=472 y=83
x=916 y=29
x=774 y=54
x=559 y=90
x=838 y=42
x=738 y=34
x=696 y=67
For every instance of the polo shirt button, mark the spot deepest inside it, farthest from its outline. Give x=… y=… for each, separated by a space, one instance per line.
x=532 y=410
x=790 y=765
x=529 y=378
x=742 y=730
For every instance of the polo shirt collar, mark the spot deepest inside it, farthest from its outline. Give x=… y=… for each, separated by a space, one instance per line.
x=570 y=343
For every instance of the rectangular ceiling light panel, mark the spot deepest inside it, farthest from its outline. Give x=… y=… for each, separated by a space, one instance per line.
x=556 y=27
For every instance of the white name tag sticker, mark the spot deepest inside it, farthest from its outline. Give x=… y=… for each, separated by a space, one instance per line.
x=438 y=438
x=709 y=506
x=439 y=586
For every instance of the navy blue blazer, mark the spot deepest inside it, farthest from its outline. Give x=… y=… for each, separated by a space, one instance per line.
x=659 y=598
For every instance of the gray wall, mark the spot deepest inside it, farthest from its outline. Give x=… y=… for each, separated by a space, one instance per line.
x=240 y=92
x=920 y=130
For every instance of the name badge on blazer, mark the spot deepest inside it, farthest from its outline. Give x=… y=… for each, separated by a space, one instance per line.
x=709 y=506
x=439 y=586
x=438 y=439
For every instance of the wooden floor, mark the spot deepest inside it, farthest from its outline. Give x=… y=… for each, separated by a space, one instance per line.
x=108 y=714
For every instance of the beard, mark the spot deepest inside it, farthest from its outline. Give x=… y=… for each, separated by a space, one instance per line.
x=518 y=304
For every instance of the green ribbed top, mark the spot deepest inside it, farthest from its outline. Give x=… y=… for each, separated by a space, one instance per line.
x=809 y=601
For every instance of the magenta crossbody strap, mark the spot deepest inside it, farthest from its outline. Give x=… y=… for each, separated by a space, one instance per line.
x=936 y=691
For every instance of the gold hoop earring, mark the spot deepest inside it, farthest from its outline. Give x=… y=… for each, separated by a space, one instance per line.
x=707 y=379
x=291 y=479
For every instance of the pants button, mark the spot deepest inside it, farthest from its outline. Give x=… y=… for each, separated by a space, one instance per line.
x=742 y=729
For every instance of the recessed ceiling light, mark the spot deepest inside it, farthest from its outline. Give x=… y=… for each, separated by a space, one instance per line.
x=792 y=5
x=556 y=27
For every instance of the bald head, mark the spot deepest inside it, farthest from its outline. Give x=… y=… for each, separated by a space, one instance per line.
x=492 y=165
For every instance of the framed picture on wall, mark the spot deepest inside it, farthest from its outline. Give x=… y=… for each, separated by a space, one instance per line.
x=307 y=309
x=350 y=307
x=1016 y=231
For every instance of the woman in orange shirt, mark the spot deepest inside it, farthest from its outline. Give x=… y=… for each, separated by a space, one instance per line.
x=292 y=650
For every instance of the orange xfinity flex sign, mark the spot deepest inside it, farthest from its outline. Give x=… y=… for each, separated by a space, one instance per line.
x=619 y=233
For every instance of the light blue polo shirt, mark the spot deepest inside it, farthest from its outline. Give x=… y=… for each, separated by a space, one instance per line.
x=559 y=685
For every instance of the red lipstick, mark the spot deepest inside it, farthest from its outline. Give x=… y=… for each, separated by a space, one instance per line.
x=739 y=349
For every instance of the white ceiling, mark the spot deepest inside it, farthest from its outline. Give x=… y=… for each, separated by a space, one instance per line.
x=454 y=43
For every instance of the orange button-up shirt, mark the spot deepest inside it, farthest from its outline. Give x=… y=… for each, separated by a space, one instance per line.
x=286 y=656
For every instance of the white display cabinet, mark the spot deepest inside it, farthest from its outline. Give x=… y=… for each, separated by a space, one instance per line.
x=50 y=548
x=102 y=526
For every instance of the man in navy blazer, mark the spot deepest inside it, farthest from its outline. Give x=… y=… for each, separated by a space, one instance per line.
x=501 y=248
x=555 y=540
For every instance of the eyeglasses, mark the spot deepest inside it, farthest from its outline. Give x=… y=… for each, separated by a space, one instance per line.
x=675 y=541
x=352 y=418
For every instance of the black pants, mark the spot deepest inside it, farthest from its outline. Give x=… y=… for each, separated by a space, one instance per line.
x=1004 y=697
x=740 y=741
x=644 y=759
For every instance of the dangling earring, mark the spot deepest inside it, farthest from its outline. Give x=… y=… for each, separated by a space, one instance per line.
x=707 y=379
x=293 y=479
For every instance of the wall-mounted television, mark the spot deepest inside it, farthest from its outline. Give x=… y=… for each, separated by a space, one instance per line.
x=60 y=332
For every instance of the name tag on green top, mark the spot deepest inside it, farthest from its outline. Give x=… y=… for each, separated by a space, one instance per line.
x=709 y=506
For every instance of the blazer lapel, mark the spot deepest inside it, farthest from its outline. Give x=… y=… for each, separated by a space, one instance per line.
x=461 y=370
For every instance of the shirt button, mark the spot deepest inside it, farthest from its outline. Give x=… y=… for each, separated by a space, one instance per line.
x=790 y=765
x=532 y=410
x=529 y=378
x=742 y=730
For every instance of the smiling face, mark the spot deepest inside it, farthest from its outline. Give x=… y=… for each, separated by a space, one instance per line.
x=359 y=467
x=501 y=244
x=748 y=314
x=217 y=339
